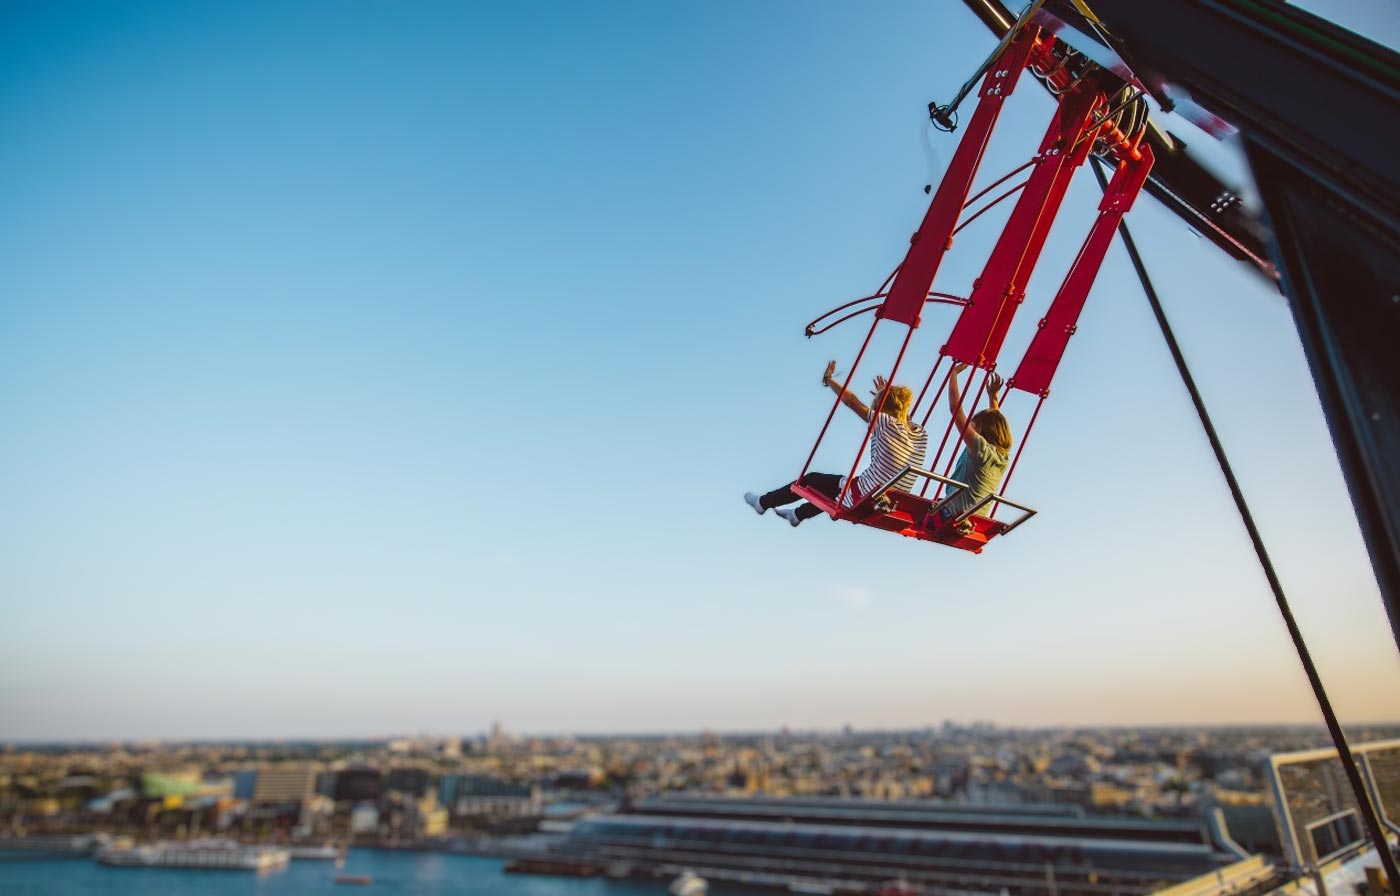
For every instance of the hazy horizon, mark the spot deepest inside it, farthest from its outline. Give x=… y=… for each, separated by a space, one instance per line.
x=695 y=733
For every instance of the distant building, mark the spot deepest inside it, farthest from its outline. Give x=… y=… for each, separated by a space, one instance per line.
x=244 y=780
x=412 y=781
x=476 y=795
x=950 y=776
x=364 y=819
x=278 y=784
x=425 y=818
x=498 y=740
x=447 y=789
x=577 y=779
x=1030 y=851
x=159 y=786
x=107 y=802
x=358 y=785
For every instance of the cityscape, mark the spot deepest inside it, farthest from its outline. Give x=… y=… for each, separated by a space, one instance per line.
x=947 y=809
x=467 y=792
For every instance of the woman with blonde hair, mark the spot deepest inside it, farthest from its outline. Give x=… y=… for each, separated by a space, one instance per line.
x=895 y=443
x=987 y=441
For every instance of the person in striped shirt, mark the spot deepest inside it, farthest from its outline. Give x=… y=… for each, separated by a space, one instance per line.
x=895 y=443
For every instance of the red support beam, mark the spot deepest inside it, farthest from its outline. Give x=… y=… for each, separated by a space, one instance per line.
x=977 y=336
x=1048 y=345
x=929 y=243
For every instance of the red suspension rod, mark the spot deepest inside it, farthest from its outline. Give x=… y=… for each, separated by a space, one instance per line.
x=1001 y=180
x=989 y=206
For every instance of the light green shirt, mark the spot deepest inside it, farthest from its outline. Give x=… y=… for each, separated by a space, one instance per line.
x=982 y=466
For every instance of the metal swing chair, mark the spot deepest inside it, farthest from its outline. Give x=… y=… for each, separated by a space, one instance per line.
x=1085 y=121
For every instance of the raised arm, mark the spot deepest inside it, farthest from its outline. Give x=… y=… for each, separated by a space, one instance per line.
x=955 y=406
x=994 y=384
x=847 y=398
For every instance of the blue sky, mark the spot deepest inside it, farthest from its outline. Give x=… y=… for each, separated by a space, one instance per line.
x=370 y=368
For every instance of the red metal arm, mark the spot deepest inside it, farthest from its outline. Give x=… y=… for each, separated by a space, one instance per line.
x=977 y=337
x=931 y=241
x=1048 y=345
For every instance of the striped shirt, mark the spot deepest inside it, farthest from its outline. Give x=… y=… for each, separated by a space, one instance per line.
x=894 y=445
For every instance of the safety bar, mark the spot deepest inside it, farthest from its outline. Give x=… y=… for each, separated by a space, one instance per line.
x=1026 y=512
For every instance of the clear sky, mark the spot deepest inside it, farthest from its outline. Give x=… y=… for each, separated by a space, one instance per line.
x=369 y=368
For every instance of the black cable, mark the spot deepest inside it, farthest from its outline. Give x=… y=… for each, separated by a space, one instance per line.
x=945 y=117
x=1363 y=800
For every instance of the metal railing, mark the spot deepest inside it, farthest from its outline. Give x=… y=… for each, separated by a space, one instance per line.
x=1026 y=512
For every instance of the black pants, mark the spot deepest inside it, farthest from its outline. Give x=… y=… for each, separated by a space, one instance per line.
x=828 y=484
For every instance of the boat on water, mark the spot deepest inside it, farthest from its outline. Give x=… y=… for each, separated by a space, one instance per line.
x=688 y=883
x=223 y=855
x=618 y=870
x=50 y=846
x=557 y=866
x=321 y=852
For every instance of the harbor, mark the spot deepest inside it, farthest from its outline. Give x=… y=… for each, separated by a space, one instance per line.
x=389 y=871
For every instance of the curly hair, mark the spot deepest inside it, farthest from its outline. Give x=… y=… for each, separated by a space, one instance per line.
x=898 y=400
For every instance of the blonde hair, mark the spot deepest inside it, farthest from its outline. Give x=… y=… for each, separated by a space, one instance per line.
x=898 y=400
x=991 y=425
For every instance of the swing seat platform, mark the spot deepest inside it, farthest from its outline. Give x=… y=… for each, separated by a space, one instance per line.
x=915 y=516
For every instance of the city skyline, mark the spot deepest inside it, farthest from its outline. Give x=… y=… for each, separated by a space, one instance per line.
x=375 y=370
x=987 y=726
x=1178 y=803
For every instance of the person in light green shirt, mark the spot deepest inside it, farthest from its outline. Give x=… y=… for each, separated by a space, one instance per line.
x=987 y=451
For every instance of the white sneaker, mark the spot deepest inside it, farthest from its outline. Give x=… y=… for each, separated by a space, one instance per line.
x=752 y=500
x=789 y=514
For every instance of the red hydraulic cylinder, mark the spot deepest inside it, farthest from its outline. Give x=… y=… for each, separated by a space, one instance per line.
x=977 y=336
x=915 y=276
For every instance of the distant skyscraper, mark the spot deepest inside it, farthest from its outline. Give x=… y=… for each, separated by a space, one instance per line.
x=498 y=739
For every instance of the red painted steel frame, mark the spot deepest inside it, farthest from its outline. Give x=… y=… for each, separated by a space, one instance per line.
x=1047 y=347
x=915 y=276
x=913 y=279
x=977 y=336
x=981 y=328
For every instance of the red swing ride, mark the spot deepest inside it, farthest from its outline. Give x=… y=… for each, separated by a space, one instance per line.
x=1096 y=113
